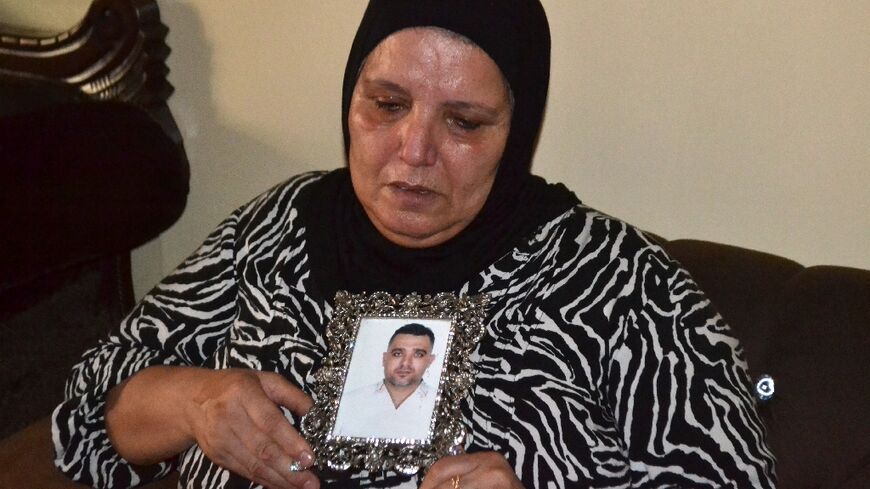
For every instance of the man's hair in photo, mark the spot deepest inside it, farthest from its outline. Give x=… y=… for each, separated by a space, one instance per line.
x=415 y=329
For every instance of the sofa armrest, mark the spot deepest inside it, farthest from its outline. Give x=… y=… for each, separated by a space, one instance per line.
x=27 y=460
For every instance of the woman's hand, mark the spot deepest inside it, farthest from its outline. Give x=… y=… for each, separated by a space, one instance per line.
x=232 y=414
x=482 y=470
x=236 y=421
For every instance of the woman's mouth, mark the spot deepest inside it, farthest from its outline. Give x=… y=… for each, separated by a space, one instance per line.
x=412 y=197
x=416 y=189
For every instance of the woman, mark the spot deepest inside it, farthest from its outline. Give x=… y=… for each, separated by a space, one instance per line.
x=602 y=364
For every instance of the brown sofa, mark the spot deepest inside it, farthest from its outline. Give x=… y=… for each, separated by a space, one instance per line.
x=808 y=328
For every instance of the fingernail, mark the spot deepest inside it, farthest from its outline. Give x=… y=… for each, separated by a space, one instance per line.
x=306 y=458
x=309 y=485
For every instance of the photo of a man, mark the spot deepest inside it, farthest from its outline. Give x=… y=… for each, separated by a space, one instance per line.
x=400 y=403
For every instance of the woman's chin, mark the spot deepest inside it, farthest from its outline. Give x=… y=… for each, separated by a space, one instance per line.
x=415 y=233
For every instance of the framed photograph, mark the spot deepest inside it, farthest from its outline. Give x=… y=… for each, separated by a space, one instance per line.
x=388 y=394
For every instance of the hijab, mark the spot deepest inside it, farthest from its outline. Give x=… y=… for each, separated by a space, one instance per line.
x=348 y=253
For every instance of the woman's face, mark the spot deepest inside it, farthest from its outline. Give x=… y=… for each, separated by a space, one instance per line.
x=428 y=122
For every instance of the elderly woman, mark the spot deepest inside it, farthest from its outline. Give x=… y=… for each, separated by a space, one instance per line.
x=602 y=364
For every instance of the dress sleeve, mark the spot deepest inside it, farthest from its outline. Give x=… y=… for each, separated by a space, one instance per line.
x=678 y=386
x=182 y=321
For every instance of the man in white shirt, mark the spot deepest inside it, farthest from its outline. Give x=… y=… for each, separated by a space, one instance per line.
x=399 y=406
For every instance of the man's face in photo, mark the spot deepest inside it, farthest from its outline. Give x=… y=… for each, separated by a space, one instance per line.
x=406 y=360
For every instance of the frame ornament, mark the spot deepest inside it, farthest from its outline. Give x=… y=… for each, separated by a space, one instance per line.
x=446 y=433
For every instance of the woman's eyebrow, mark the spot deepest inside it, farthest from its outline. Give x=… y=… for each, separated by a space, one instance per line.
x=384 y=84
x=460 y=105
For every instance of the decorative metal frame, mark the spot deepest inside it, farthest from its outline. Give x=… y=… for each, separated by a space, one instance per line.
x=448 y=433
x=117 y=51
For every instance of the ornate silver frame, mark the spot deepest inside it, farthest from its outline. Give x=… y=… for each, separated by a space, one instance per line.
x=447 y=432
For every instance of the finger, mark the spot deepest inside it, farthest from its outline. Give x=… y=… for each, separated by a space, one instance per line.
x=241 y=462
x=264 y=460
x=442 y=472
x=279 y=478
x=480 y=470
x=269 y=420
x=284 y=393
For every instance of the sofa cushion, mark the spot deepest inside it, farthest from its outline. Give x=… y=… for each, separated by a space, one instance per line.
x=819 y=354
x=742 y=284
x=809 y=329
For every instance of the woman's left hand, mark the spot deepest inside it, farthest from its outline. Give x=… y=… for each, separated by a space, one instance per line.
x=481 y=470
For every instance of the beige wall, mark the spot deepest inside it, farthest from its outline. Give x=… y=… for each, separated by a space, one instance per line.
x=741 y=122
x=42 y=15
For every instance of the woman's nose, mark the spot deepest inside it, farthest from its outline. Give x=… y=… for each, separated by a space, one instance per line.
x=418 y=145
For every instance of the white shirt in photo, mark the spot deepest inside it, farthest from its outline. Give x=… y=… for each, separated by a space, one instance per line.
x=368 y=412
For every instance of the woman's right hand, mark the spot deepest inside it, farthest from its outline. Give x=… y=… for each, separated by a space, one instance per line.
x=236 y=421
x=233 y=415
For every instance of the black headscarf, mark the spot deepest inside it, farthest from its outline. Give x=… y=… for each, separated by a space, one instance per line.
x=349 y=253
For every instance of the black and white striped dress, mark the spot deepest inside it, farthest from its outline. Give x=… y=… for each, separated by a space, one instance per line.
x=603 y=365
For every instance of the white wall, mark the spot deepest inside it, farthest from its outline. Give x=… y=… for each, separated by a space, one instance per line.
x=745 y=122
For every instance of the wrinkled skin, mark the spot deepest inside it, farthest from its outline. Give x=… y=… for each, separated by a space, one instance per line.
x=428 y=122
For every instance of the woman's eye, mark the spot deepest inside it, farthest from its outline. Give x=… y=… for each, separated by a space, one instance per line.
x=389 y=105
x=464 y=124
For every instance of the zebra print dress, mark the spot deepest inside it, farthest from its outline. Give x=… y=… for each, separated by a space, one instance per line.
x=603 y=365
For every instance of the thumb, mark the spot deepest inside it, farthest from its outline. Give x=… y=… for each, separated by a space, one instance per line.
x=282 y=392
